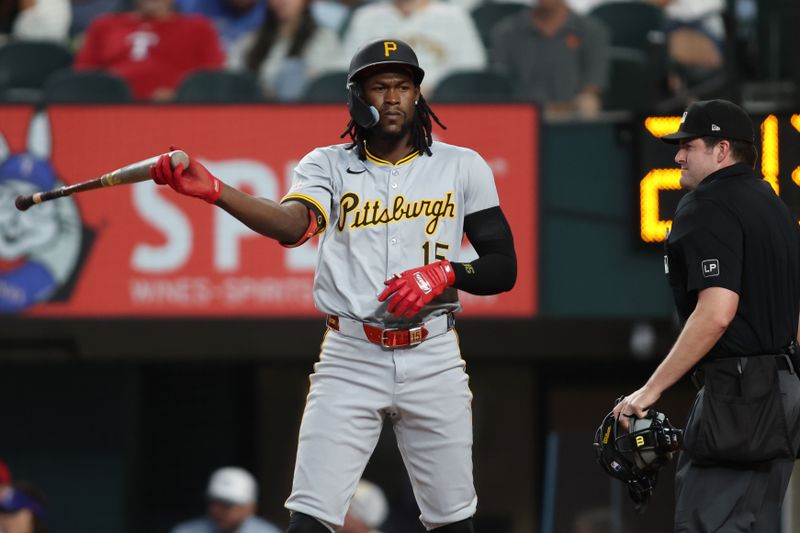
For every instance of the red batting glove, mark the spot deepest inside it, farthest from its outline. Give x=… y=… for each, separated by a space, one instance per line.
x=414 y=288
x=194 y=181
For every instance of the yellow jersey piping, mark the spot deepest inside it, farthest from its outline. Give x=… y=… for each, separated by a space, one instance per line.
x=311 y=201
x=380 y=161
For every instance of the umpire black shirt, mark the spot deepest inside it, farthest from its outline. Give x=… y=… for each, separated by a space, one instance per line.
x=734 y=232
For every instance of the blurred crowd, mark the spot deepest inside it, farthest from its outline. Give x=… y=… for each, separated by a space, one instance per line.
x=231 y=499
x=571 y=56
x=22 y=505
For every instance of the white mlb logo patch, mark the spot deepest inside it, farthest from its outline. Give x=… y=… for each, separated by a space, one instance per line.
x=710 y=268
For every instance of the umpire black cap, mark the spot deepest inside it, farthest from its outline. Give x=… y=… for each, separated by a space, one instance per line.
x=713 y=118
x=385 y=52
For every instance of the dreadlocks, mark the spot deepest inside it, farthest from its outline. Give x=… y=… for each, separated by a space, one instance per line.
x=421 y=138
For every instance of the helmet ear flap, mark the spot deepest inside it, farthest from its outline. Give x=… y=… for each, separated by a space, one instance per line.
x=361 y=112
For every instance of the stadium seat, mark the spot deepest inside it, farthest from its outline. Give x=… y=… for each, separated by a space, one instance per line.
x=632 y=24
x=329 y=87
x=473 y=86
x=630 y=86
x=219 y=86
x=26 y=65
x=635 y=28
x=86 y=86
x=487 y=14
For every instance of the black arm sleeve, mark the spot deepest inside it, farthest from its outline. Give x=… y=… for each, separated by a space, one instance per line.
x=495 y=270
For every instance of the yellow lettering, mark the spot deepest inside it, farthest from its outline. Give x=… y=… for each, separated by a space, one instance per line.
x=360 y=216
x=608 y=434
x=398 y=208
x=639 y=441
x=449 y=208
x=660 y=126
x=348 y=203
x=652 y=228
x=389 y=46
x=769 y=151
x=384 y=217
x=796 y=172
x=414 y=210
x=374 y=213
x=426 y=207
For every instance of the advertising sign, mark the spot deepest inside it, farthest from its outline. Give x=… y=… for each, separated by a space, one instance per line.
x=143 y=250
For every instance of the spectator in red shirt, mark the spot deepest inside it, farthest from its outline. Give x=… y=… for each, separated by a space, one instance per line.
x=5 y=479
x=153 y=47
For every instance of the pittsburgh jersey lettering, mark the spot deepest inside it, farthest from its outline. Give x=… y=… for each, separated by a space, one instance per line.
x=374 y=213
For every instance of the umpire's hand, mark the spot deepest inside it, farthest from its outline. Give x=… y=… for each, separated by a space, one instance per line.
x=635 y=405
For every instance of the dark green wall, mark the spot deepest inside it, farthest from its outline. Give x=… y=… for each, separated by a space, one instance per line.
x=591 y=262
x=69 y=429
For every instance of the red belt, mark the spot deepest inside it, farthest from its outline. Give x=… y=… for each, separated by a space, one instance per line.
x=387 y=337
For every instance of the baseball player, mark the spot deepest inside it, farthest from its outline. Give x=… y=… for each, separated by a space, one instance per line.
x=391 y=207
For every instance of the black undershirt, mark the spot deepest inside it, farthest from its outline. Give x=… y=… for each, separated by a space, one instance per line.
x=495 y=270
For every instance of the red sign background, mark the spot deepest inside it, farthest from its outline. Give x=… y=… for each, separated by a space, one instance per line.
x=156 y=253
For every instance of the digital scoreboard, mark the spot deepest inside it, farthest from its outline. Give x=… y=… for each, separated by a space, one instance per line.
x=778 y=143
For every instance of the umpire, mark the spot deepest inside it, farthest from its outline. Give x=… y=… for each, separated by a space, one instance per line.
x=733 y=262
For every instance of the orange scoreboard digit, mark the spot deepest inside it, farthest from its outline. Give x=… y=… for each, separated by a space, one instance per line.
x=778 y=143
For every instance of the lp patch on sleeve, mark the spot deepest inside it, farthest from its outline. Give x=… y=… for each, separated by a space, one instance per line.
x=710 y=268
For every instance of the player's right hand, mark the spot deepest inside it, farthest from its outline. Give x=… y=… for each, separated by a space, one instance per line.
x=411 y=290
x=195 y=180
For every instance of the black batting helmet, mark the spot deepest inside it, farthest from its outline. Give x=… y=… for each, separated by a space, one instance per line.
x=380 y=52
x=636 y=456
x=385 y=52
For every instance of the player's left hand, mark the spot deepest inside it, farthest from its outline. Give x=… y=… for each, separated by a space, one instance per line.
x=635 y=405
x=412 y=289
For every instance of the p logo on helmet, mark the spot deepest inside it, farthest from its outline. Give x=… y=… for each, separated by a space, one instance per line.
x=388 y=47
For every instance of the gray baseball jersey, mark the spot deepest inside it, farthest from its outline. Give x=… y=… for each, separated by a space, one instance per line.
x=382 y=219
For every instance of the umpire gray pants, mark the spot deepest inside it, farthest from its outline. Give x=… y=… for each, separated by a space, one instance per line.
x=735 y=500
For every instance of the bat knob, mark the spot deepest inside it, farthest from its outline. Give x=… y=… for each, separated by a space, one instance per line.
x=23 y=202
x=179 y=157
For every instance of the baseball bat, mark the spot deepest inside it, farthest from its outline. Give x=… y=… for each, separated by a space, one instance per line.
x=133 y=173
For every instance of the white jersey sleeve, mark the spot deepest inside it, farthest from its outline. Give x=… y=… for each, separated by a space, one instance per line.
x=312 y=183
x=480 y=192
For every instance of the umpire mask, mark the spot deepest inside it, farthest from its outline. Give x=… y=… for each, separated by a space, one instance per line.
x=635 y=457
